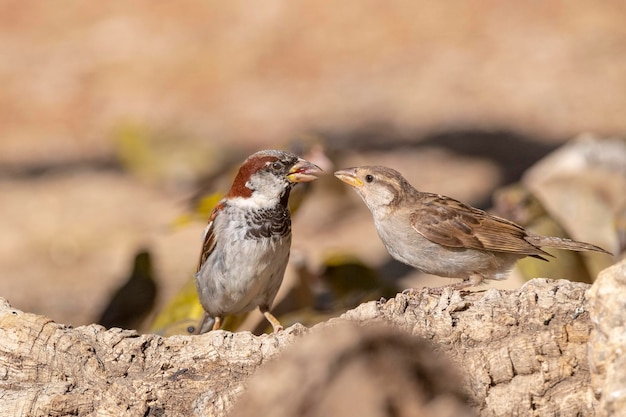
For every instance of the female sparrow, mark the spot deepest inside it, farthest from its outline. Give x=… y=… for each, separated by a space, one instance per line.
x=442 y=236
x=247 y=241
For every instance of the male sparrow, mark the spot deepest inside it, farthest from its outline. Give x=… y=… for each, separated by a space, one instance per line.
x=247 y=241
x=442 y=236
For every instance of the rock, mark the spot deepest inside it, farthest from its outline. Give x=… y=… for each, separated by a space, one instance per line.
x=607 y=304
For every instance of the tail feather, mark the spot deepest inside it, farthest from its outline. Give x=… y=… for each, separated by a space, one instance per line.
x=563 y=243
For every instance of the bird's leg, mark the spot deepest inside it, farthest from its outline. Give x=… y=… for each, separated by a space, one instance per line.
x=270 y=317
x=473 y=281
x=217 y=323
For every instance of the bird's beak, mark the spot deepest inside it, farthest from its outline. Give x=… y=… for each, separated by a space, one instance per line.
x=303 y=171
x=349 y=177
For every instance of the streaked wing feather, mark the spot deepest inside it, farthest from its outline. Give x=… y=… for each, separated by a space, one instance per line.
x=209 y=237
x=451 y=223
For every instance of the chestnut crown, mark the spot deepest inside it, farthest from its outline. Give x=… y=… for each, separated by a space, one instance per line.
x=267 y=176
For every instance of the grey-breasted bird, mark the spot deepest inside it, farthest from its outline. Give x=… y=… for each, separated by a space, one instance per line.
x=248 y=238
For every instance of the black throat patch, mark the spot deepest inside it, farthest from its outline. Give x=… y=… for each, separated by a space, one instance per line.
x=266 y=223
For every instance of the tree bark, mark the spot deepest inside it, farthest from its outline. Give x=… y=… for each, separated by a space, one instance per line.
x=520 y=352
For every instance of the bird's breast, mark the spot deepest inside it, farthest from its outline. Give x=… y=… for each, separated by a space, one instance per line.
x=406 y=245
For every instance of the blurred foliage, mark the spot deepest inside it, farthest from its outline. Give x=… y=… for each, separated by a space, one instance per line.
x=166 y=157
x=517 y=203
x=181 y=314
x=351 y=282
x=133 y=301
x=200 y=211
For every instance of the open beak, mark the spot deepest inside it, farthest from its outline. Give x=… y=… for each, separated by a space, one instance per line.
x=349 y=177
x=303 y=171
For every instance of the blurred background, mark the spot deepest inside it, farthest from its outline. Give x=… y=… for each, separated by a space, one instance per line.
x=114 y=115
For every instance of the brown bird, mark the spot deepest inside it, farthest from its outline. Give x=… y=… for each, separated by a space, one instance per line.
x=442 y=236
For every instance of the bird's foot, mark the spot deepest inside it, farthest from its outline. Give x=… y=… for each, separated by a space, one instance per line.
x=410 y=291
x=273 y=321
x=462 y=286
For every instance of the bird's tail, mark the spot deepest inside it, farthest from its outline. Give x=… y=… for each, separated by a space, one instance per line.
x=563 y=243
x=206 y=324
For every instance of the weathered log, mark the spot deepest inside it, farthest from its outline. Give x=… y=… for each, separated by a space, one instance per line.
x=520 y=352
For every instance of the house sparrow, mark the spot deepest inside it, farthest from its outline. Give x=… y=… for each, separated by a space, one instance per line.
x=247 y=241
x=442 y=236
x=185 y=307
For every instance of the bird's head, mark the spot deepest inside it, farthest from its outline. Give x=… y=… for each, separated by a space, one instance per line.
x=266 y=177
x=381 y=188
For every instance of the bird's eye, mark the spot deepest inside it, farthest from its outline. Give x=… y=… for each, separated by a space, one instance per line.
x=369 y=178
x=276 y=165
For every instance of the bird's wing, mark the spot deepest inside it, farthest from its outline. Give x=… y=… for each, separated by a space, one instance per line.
x=449 y=222
x=208 y=243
